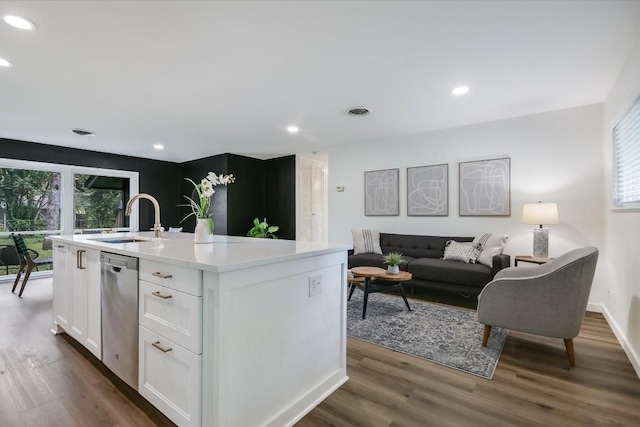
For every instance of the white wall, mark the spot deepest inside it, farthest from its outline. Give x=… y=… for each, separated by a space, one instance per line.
x=555 y=157
x=622 y=229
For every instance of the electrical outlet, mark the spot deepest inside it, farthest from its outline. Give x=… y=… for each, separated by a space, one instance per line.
x=315 y=285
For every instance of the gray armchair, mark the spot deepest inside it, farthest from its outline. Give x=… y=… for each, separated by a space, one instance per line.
x=549 y=300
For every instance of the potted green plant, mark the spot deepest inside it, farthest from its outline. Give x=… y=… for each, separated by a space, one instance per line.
x=263 y=230
x=393 y=260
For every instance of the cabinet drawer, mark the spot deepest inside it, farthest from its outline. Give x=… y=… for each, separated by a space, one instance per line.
x=184 y=279
x=172 y=314
x=170 y=378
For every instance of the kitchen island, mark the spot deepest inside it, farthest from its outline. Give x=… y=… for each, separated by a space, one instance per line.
x=240 y=332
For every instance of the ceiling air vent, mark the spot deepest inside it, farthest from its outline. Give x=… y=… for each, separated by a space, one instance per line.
x=82 y=132
x=358 y=111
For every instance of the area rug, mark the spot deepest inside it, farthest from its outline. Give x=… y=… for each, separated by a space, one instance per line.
x=443 y=334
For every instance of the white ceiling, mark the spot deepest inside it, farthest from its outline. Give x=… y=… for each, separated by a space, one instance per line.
x=206 y=78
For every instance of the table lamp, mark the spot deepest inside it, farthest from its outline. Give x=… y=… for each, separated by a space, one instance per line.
x=540 y=213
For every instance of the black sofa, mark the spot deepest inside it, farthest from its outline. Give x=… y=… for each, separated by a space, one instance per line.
x=423 y=255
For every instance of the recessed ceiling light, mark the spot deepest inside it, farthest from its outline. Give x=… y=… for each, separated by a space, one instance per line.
x=5 y=63
x=82 y=132
x=460 y=90
x=158 y=146
x=19 y=22
x=292 y=129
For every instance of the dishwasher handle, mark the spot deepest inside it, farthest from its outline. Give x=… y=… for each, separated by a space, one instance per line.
x=114 y=267
x=118 y=262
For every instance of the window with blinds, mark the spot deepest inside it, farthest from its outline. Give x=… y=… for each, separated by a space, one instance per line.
x=626 y=159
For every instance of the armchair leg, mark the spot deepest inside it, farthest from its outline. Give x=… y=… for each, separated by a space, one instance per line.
x=23 y=264
x=485 y=336
x=26 y=279
x=568 y=343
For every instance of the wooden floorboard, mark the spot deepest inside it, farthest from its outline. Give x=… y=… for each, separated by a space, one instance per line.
x=532 y=386
x=46 y=381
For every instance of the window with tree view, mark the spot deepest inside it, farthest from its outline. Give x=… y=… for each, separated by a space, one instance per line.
x=29 y=205
x=99 y=203
x=41 y=199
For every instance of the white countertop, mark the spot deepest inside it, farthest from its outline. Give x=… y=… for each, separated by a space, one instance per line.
x=226 y=253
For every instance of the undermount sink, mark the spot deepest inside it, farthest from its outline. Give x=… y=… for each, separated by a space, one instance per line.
x=122 y=240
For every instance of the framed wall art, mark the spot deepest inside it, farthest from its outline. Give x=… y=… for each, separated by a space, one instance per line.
x=381 y=190
x=428 y=190
x=485 y=187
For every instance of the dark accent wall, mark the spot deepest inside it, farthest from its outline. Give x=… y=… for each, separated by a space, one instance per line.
x=158 y=178
x=263 y=188
x=246 y=197
x=196 y=170
x=280 y=195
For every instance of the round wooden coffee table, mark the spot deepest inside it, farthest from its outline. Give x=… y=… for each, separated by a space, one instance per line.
x=393 y=282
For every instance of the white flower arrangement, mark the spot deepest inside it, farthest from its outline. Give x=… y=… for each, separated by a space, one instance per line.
x=205 y=190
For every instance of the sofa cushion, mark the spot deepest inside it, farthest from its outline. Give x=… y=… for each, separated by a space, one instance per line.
x=366 y=241
x=375 y=260
x=461 y=251
x=440 y=270
x=417 y=246
x=490 y=245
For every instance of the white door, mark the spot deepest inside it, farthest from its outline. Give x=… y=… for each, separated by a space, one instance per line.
x=312 y=200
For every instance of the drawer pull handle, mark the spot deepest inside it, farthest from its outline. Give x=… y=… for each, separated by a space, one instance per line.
x=159 y=295
x=161 y=275
x=79 y=259
x=161 y=348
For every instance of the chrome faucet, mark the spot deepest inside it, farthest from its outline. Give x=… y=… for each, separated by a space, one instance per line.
x=156 y=206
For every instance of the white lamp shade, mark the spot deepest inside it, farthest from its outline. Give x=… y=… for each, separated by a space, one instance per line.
x=540 y=213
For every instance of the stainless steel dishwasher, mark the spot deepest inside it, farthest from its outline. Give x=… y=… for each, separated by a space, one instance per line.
x=119 y=277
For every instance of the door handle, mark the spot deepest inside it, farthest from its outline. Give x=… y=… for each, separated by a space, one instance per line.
x=59 y=246
x=161 y=348
x=79 y=259
x=159 y=295
x=161 y=275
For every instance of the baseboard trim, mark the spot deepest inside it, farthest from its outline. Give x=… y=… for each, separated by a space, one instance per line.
x=295 y=412
x=634 y=358
x=595 y=308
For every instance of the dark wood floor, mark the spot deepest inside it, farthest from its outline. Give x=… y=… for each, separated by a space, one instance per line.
x=532 y=386
x=44 y=381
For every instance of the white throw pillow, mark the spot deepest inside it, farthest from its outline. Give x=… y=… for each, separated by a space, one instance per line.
x=490 y=245
x=366 y=242
x=461 y=251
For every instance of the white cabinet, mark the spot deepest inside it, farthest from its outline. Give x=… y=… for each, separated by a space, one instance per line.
x=85 y=318
x=76 y=294
x=169 y=376
x=173 y=314
x=93 y=327
x=184 y=279
x=170 y=341
x=61 y=284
